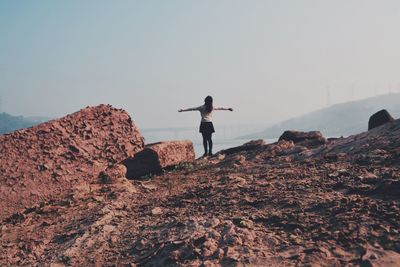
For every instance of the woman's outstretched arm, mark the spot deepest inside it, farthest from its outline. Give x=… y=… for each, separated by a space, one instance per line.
x=230 y=109
x=189 y=109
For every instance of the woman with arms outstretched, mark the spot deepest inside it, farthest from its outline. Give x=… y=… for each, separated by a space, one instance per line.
x=206 y=125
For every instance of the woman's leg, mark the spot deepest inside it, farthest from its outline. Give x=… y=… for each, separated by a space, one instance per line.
x=210 y=144
x=204 y=143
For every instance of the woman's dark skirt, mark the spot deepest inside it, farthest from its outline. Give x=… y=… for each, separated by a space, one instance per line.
x=206 y=127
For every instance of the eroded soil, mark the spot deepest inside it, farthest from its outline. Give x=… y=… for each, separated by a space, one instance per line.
x=271 y=205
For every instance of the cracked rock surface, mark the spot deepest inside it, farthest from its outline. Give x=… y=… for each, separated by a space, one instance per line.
x=278 y=204
x=42 y=162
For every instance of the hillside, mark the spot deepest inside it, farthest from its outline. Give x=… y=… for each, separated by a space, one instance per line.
x=9 y=123
x=338 y=120
x=280 y=204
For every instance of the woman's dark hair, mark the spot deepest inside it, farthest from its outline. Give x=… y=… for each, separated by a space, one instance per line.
x=208 y=102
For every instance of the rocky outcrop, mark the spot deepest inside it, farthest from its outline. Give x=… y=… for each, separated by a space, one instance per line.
x=379 y=118
x=251 y=145
x=41 y=163
x=155 y=157
x=281 y=204
x=307 y=139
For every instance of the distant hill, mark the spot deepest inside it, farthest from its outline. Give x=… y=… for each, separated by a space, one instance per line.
x=338 y=120
x=10 y=123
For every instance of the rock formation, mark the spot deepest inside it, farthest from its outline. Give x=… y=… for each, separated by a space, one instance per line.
x=251 y=145
x=43 y=162
x=280 y=204
x=155 y=157
x=379 y=118
x=307 y=139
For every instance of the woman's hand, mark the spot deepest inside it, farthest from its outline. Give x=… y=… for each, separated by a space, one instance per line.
x=230 y=109
x=180 y=110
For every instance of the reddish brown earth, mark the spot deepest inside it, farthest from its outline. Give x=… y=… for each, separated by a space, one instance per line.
x=279 y=204
x=39 y=163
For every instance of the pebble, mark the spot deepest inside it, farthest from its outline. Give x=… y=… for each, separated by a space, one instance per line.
x=156 y=211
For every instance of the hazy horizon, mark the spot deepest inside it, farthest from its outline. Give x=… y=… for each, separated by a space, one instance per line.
x=269 y=60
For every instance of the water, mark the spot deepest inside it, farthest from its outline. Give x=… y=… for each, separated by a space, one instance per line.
x=224 y=138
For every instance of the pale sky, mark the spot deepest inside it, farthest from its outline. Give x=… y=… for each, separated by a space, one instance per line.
x=269 y=60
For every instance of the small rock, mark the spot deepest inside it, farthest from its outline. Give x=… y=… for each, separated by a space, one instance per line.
x=213 y=222
x=246 y=224
x=156 y=211
x=210 y=247
x=112 y=174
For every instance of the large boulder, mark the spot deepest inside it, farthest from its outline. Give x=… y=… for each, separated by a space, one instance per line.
x=379 y=118
x=249 y=146
x=155 y=157
x=307 y=139
x=44 y=162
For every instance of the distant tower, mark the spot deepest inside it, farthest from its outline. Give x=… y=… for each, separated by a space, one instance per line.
x=328 y=96
x=352 y=91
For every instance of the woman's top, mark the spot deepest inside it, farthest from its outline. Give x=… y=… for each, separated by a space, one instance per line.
x=205 y=115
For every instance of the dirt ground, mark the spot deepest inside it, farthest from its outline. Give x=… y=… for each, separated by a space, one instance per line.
x=268 y=205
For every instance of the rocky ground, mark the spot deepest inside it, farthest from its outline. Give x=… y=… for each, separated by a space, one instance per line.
x=281 y=204
x=39 y=163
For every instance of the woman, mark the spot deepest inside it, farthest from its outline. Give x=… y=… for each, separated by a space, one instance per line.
x=206 y=125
